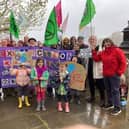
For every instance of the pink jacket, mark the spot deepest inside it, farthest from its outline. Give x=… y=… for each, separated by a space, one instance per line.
x=22 y=76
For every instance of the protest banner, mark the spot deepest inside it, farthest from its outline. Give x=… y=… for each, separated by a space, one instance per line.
x=14 y=56
x=77 y=76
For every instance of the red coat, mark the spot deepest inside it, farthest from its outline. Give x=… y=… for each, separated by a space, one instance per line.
x=113 y=59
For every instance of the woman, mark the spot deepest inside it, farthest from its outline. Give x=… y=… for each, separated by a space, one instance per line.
x=114 y=65
x=72 y=42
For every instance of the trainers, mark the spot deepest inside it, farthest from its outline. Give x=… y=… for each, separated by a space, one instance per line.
x=44 y=108
x=90 y=99
x=78 y=102
x=107 y=107
x=116 y=111
x=38 y=109
x=102 y=105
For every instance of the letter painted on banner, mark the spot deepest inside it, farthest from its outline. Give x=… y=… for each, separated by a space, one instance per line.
x=39 y=52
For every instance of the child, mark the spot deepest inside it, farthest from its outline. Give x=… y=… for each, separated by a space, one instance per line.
x=123 y=90
x=40 y=76
x=63 y=87
x=1 y=94
x=22 y=80
x=75 y=94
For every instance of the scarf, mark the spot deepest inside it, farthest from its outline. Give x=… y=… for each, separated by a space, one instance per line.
x=40 y=71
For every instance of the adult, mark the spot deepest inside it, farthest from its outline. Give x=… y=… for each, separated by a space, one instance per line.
x=95 y=75
x=32 y=42
x=72 y=42
x=114 y=65
x=66 y=44
x=26 y=38
x=4 y=43
x=81 y=43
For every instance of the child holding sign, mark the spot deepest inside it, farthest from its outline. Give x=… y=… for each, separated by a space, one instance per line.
x=75 y=94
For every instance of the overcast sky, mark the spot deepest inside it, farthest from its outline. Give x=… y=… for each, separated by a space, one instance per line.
x=111 y=15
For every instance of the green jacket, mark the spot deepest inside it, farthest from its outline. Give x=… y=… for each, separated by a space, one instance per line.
x=45 y=75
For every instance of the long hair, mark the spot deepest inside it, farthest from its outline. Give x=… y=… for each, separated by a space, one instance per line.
x=38 y=60
x=107 y=40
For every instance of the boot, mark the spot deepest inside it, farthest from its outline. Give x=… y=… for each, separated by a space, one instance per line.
x=20 y=102
x=60 y=109
x=43 y=105
x=102 y=101
x=90 y=99
x=26 y=101
x=72 y=99
x=78 y=100
x=67 y=107
x=38 y=106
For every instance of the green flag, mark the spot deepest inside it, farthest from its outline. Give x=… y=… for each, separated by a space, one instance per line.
x=51 y=37
x=89 y=13
x=14 y=30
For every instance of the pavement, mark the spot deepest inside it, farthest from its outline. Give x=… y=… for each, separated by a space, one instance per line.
x=85 y=113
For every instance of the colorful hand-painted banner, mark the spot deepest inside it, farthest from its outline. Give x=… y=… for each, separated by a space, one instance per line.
x=78 y=76
x=14 y=56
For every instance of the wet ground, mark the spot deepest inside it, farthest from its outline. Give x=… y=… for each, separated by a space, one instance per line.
x=86 y=113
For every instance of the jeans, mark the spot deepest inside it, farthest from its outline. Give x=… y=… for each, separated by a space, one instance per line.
x=112 y=85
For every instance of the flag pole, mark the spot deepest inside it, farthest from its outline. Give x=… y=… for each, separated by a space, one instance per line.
x=91 y=31
x=11 y=5
x=11 y=38
x=88 y=15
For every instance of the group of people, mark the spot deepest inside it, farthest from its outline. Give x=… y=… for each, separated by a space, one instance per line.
x=40 y=76
x=65 y=44
x=105 y=66
x=108 y=63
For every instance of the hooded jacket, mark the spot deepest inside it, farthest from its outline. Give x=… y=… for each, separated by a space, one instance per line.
x=113 y=59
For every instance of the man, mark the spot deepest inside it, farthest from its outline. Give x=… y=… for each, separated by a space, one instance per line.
x=91 y=82
x=32 y=42
x=81 y=43
x=95 y=74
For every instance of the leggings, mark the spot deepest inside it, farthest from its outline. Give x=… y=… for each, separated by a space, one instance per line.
x=41 y=93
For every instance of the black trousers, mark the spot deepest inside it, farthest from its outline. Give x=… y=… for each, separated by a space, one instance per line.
x=101 y=87
x=22 y=90
x=62 y=98
x=91 y=81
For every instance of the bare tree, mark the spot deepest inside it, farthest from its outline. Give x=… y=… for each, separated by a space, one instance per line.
x=28 y=13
